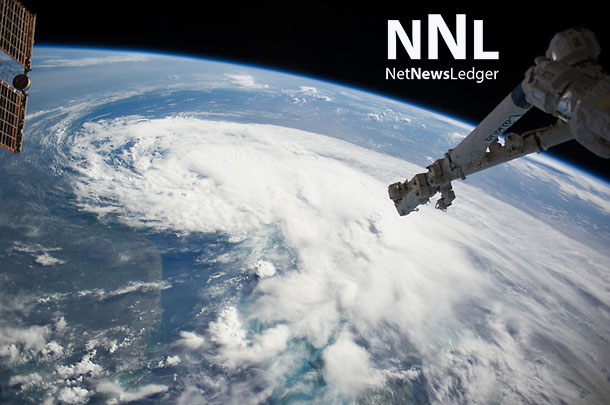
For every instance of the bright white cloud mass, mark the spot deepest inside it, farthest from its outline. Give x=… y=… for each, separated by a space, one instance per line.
x=479 y=295
x=244 y=80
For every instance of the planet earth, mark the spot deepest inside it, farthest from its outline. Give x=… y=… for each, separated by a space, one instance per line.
x=189 y=231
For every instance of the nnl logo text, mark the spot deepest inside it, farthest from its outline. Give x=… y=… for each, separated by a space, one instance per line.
x=436 y=25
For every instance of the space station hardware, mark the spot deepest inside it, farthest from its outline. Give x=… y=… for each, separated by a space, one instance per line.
x=16 y=41
x=567 y=83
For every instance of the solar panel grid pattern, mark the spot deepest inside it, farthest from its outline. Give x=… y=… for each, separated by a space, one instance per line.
x=15 y=30
x=10 y=112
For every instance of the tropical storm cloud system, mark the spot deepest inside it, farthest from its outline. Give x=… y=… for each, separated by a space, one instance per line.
x=192 y=231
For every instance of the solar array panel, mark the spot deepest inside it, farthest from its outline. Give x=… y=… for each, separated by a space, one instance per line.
x=16 y=32
x=12 y=115
x=16 y=40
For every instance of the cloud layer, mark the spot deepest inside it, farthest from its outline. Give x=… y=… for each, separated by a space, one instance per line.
x=479 y=296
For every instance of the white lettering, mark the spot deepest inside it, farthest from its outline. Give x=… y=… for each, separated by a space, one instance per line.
x=457 y=45
x=412 y=48
x=436 y=25
x=417 y=73
x=479 y=53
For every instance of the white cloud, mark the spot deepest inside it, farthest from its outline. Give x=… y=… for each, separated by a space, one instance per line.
x=245 y=81
x=47 y=260
x=122 y=396
x=84 y=367
x=61 y=324
x=236 y=350
x=130 y=287
x=227 y=330
x=191 y=340
x=40 y=253
x=456 y=136
x=313 y=92
x=52 y=349
x=471 y=292
x=264 y=269
x=74 y=395
x=172 y=361
x=388 y=115
x=348 y=368
x=306 y=94
x=18 y=344
x=25 y=381
x=143 y=286
x=104 y=342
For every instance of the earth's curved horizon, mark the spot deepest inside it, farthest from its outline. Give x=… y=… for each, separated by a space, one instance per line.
x=183 y=230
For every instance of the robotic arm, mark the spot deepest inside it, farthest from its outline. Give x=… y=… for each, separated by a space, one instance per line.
x=566 y=83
